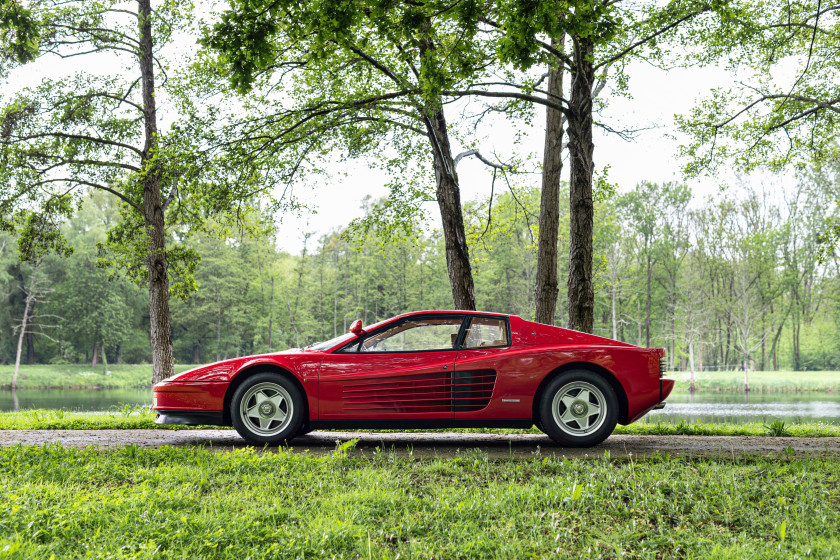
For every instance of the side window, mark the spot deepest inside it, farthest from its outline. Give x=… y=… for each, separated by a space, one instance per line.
x=486 y=331
x=415 y=336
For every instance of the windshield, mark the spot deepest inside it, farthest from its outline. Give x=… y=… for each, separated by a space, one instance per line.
x=346 y=337
x=327 y=344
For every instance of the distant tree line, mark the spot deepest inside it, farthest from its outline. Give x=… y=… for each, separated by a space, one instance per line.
x=736 y=279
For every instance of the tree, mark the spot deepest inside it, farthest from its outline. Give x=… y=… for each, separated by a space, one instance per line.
x=692 y=315
x=602 y=36
x=357 y=73
x=68 y=136
x=31 y=323
x=784 y=105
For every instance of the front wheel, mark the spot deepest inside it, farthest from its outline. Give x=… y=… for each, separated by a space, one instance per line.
x=267 y=409
x=578 y=409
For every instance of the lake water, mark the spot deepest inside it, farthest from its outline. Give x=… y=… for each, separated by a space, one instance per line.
x=702 y=407
x=739 y=408
x=75 y=399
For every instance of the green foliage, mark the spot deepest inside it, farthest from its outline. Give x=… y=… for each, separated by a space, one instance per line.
x=174 y=502
x=782 y=107
x=777 y=428
x=18 y=32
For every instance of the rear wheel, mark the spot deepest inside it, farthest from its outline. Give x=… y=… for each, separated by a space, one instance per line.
x=578 y=409
x=267 y=409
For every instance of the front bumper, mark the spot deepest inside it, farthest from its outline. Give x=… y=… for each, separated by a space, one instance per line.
x=190 y=417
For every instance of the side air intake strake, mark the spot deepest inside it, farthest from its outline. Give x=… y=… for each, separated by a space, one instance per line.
x=663 y=366
x=460 y=391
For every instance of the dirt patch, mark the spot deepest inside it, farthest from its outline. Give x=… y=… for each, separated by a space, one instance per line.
x=442 y=444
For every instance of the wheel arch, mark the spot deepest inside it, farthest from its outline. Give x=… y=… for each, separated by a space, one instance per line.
x=253 y=370
x=620 y=393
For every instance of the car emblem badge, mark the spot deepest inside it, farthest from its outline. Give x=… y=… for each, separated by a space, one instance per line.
x=266 y=409
x=579 y=408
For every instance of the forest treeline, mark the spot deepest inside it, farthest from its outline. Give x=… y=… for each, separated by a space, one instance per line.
x=736 y=278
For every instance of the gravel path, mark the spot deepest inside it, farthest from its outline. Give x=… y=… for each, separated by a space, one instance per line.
x=440 y=444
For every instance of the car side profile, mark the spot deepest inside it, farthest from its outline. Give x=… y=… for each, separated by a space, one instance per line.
x=428 y=369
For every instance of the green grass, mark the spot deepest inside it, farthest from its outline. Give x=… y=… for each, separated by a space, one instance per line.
x=136 y=418
x=760 y=381
x=126 y=376
x=193 y=503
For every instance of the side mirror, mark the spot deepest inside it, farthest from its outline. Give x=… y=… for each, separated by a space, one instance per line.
x=356 y=327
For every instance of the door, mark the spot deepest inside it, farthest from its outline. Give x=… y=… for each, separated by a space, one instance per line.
x=483 y=355
x=400 y=371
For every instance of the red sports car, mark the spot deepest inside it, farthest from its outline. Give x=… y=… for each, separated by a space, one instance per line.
x=430 y=369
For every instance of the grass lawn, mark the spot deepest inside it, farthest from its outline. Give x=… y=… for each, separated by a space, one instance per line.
x=136 y=418
x=192 y=503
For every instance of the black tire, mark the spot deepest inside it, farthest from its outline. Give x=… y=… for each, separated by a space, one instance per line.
x=273 y=423
x=578 y=409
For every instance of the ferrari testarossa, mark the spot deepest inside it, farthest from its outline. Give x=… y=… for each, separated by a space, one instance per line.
x=429 y=369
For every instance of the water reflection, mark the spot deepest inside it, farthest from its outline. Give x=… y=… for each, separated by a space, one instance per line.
x=72 y=399
x=749 y=407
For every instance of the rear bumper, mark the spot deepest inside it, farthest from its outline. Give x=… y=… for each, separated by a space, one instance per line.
x=190 y=417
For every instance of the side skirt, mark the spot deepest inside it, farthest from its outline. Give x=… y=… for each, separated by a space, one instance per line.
x=407 y=424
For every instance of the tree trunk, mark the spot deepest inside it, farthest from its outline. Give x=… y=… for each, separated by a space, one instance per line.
x=94 y=361
x=24 y=323
x=104 y=358
x=119 y=354
x=161 y=335
x=219 y=335
x=691 y=386
x=30 y=343
x=612 y=312
x=746 y=375
x=271 y=314
x=647 y=303
x=581 y=294
x=546 y=289
x=639 y=311
x=196 y=357
x=449 y=202
x=449 y=199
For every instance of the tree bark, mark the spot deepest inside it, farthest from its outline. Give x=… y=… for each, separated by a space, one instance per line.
x=449 y=203
x=546 y=288
x=647 y=302
x=581 y=294
x=161 y=335
x=24 y=323
x=691 y=386
x=94 y=361
x=449 y=200
x=30 y=344
x=104 y=358
x=271 y=314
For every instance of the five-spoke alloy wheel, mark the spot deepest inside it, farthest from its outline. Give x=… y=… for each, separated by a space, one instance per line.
x=267 y=408
x=578 y=409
